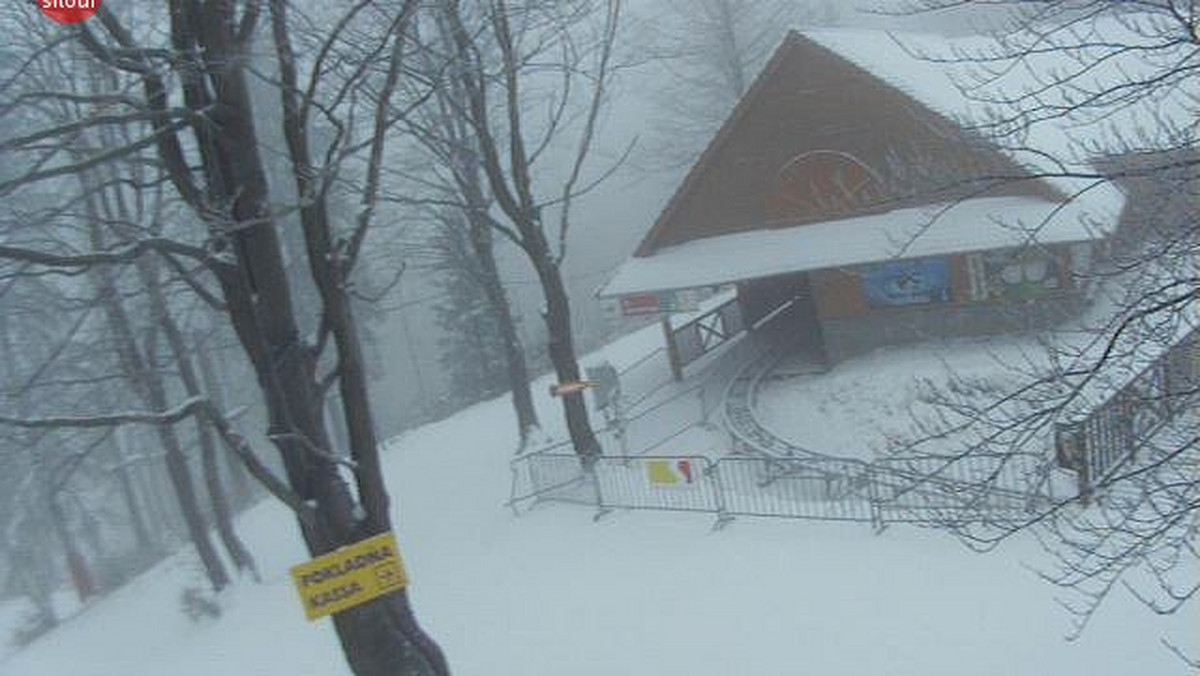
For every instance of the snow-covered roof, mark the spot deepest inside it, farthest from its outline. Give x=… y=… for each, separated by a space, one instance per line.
x=1055 y=144
x=972 y=225
x=1046 y=94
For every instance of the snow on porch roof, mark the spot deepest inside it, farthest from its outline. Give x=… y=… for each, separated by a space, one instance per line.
x=972 y=225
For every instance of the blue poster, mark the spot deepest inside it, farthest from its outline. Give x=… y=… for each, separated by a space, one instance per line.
x=907 y=283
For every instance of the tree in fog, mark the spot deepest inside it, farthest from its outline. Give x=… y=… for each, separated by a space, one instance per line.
x=473 y=355
x=513 y=70
x=711 y=51
x=107 y=212
x=180 y=82
x=462 y=246
x=52 y=344
x=37 y=467
x=1127 y=70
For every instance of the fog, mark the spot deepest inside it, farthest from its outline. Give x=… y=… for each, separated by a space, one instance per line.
x=612 y=218
x=278 y=279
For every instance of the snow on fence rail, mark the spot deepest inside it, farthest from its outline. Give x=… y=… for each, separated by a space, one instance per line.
x=815 y=488
x=1109 y=436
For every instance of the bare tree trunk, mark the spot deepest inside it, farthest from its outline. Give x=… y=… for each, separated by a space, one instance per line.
x=514 y=353
x=81 y=574
x=181 y=480
x=562 y=355
x=222 y=515
x=380 y=638
x=141 y=532
x=460 y=150
x=165 y=504
x=213 y=385
x=138 y=363
x=189 y=503
x=148 y=384
x=511 y=181
x=23 y=539
x=218 y=171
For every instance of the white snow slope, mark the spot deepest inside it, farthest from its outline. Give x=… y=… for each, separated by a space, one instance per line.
x=551 y=593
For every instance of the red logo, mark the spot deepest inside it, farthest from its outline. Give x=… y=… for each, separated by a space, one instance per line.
x=69 y=11
x=641 y=304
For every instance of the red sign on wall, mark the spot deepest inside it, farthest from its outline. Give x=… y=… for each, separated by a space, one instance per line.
x=661 y=302
x=642 y=304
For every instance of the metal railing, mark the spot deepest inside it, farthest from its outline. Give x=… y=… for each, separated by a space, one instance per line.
x=768 y=476
x=663 y=483
x=1110 y=434
x=977 y=487
x=813 y=488
x=820 y=489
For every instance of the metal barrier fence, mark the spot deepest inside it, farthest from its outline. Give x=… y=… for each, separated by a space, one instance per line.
x=983 y=488
x=815 y=488
x=824 y=489
x=665 y=483
x=551 y=477
x=781 y=479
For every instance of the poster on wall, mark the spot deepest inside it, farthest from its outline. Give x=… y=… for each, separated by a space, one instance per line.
x=1018 y=275
x=907 y=283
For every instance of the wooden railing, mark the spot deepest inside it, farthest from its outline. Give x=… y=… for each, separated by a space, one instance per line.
x=696 y=338
x=1112 y=432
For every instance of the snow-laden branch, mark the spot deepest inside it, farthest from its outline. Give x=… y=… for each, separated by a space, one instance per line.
x=194 y=406
x=168 y=417
x=116 y=256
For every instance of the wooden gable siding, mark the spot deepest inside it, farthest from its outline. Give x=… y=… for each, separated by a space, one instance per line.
x=838 y=294
x=810 y=99
x=1160 y=194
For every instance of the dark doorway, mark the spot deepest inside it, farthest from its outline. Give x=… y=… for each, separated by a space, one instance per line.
x=785 y=302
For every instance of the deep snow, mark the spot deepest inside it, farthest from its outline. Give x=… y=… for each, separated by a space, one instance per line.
x=553 y=593
x=868 y=407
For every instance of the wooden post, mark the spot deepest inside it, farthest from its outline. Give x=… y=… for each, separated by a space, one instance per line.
x=672 y=348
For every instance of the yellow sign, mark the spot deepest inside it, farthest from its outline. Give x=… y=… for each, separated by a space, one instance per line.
x=350 y=576
x=671 y=472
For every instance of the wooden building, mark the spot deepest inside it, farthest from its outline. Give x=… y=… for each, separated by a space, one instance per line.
x=841 y=185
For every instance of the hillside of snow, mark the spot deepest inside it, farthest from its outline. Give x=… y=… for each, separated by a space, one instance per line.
x=552 y=593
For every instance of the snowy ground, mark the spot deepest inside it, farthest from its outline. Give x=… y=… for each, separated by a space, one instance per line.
x=552 y=593
x=867 y=407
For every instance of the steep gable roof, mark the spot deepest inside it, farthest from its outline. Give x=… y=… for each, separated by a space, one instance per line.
x=844 y=125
